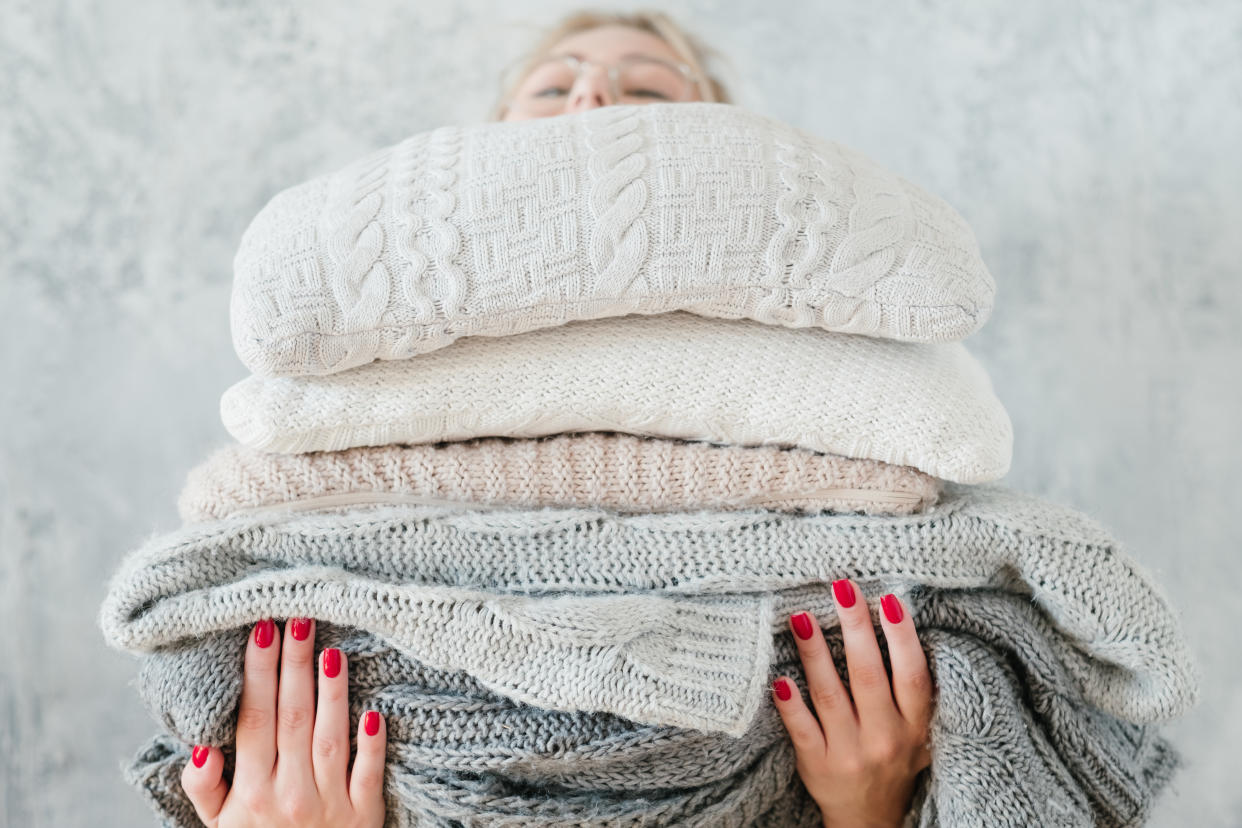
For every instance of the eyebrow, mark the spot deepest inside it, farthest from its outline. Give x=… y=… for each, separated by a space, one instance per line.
x=626 y=55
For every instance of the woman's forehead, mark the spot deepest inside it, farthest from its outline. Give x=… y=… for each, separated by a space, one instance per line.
x=613 y=42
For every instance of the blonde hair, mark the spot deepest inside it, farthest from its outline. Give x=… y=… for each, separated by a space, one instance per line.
x=692 y=51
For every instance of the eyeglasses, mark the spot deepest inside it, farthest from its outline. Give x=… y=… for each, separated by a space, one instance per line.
x=634 y=80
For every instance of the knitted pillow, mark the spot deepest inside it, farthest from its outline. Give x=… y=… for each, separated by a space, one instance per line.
x=734 y=382
x=500 y=228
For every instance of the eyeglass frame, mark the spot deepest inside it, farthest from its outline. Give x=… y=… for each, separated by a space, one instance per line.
x=579 y=68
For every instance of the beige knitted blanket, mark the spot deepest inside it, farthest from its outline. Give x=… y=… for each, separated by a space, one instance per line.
x=616 y=471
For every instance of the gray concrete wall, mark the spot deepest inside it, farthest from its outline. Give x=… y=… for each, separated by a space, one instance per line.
x=1093 y=147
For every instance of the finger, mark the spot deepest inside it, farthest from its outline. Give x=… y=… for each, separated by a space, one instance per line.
x=295 y=705
x=832 y=702
x=912 y=682
x=205 y=785
x=330 y=748
x=256 y=714
x=804 y=730
x=869 y=683
x=366 y=782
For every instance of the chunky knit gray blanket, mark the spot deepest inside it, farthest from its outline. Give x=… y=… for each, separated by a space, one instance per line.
x=579 y=667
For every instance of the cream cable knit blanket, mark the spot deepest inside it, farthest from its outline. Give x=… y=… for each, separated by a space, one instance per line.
x=738 y=382
x=613 y=471
x=678 y=621
x=495 y=229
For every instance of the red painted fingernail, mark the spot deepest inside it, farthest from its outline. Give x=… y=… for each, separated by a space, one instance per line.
x=300 y=627
x=892 y=608
x=370 y=723
x=331 y=662
x=200 y=755
x=782 y=689
x=802 y=625
x=844 y=591
x=264 y=632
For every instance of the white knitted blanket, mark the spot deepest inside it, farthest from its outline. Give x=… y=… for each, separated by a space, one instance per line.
x=661 y=619
x=498 y=228
x=736 y=382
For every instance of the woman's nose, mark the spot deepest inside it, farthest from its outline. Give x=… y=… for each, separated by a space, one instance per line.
x=591 y=91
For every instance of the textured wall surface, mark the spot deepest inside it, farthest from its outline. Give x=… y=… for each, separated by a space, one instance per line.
x=1092 y=146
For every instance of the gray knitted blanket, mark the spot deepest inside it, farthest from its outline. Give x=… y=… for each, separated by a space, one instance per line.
x=578 y=667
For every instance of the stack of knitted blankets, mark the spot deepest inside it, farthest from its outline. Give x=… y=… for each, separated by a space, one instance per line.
x=708 y=363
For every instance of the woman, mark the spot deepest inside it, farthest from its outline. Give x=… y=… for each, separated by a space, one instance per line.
x=858 y=753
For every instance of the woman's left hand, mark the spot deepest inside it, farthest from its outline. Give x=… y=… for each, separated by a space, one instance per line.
x=860 y=753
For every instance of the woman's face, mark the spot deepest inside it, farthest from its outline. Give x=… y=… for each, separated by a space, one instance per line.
x=551 y=90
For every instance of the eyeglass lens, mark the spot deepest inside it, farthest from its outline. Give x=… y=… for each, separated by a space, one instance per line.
x=547 y=87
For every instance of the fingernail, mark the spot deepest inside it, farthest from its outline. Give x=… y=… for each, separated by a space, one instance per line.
x=370 y=723
x=264 y=632
x=782 y=689
x=300 y=627
x=802 y=625
x=200 y=755
x=844 y=591
x=331 y=662
x=892 y=608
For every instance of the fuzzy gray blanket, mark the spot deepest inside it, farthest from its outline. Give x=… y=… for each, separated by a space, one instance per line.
x=578 y=667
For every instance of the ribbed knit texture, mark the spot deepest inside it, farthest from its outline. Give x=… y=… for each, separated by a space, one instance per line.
x=494 y=229
x=614 y=471
x=600 y=632
x=677 y=375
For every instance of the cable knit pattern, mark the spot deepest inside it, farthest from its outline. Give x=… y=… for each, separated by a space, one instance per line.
x=715 y=572
x=617 y=198
x=676 y=375
x=415 y=277
x=614 y=471
x=449 y=281
x=576 y=651
x=500 y=228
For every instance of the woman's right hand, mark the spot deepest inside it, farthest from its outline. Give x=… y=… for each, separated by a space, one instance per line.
x=291 y=765
x=860 y=751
